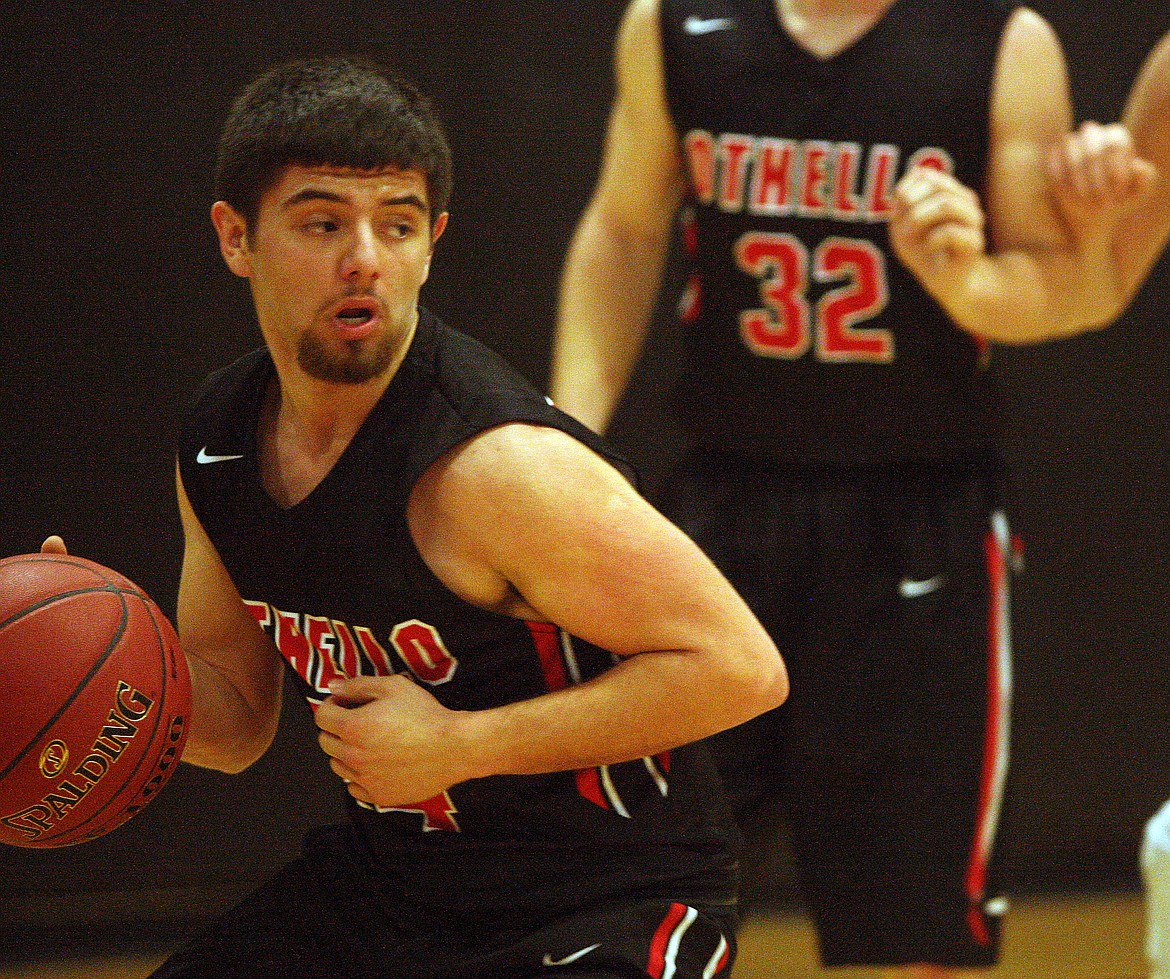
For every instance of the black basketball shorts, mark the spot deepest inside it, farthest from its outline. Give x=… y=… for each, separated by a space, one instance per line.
x=332 y=915
x=886 y=592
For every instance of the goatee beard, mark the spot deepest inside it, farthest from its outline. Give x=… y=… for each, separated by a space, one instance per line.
x=362 y=361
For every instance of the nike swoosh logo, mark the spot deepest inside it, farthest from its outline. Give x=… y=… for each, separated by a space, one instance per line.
x=707 y=25
x=550 y=961
x=912 y=588
x=203 y=458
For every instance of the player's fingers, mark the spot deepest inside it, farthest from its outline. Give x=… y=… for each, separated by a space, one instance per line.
x=349 y=777
x=1073 y=154
x=331 y=718
x=953 y=243
x=53 y=545
x=1121 y=161
x=921 y=183
x=1101 y=163
x=955 y=207
x=343 y=771
x=330 y=743
x=1145 y=178
x=1116 y=161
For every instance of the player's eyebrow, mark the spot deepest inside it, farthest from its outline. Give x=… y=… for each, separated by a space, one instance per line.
x=319 y=194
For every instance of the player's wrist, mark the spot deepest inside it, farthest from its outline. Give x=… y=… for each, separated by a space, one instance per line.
x=474 y=742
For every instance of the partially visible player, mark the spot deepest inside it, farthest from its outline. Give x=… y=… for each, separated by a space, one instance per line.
x=1117 y=176
x=866 y=212
x=1154 y=857
x=1099 y=184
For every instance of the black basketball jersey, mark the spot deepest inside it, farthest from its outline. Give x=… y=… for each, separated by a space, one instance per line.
x=339 y=585
x=806 y=340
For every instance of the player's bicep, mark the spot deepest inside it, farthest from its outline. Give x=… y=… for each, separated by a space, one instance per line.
x=1030 y=111
x=1144 y=233
x=641 y=177
x=587 y=552
x=646 y=585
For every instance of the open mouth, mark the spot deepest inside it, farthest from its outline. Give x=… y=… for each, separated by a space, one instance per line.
x=356 y=315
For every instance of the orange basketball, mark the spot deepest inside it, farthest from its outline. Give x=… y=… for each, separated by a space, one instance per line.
x=95 y=700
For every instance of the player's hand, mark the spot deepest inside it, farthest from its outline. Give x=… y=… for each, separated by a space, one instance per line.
x=1097 y=177
x=389 y=739
x=53 y=545
x=936 y=227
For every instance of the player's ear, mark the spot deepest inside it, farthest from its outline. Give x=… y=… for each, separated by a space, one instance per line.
x=437 y=229
x=232 y=230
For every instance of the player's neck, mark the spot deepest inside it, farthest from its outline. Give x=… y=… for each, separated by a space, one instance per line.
x=825 y=28
x=305 y=427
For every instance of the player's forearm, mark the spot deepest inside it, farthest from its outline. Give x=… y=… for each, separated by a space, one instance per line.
x=1018 y=297
x=227 y=732
x=608 y=291
x=647 y=704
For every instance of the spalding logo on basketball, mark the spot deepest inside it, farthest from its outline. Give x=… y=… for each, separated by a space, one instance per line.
x=95 y=700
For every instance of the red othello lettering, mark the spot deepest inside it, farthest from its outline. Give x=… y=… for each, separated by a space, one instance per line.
x=423 y=651
x=772 y=177
x=883 y=161
x=932 y=157
x=734 y=153
x=700 y=150
x=813 y=199
x=260 y=612
x=438 y=813
x=846 y=203
x=348 y=660
x=294 y=645
x=319 y=632
x=374 y=652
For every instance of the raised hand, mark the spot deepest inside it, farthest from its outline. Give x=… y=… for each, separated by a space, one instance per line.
x=1097 y=177
x=936 y=227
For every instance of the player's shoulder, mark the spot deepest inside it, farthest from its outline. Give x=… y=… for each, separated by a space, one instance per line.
x=1023 y=25
x=519 y=459
x=227 y=401
x=479 y=400
x=242 y=377
x=640 y=27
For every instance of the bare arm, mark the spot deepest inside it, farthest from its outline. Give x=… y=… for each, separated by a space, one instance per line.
x=1030 y=276
x=531 y=523
x=236 y=672
x=613 y=270
x=1144 y=232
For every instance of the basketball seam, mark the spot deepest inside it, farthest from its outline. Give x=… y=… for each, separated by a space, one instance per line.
x=59 y=596
x=111 y=646
x=114 y=821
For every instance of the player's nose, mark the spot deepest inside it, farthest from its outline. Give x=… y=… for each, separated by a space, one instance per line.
x=361 y=257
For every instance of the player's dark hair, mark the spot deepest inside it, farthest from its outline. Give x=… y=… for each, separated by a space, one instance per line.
x=337 y=111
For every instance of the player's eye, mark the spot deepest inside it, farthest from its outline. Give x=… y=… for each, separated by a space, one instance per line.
x=399 y=229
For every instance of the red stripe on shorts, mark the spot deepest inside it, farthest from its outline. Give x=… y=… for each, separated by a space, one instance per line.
x=656 y=966
x=996 y=735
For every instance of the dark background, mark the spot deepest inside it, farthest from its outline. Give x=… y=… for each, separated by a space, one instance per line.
x=116 y=305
